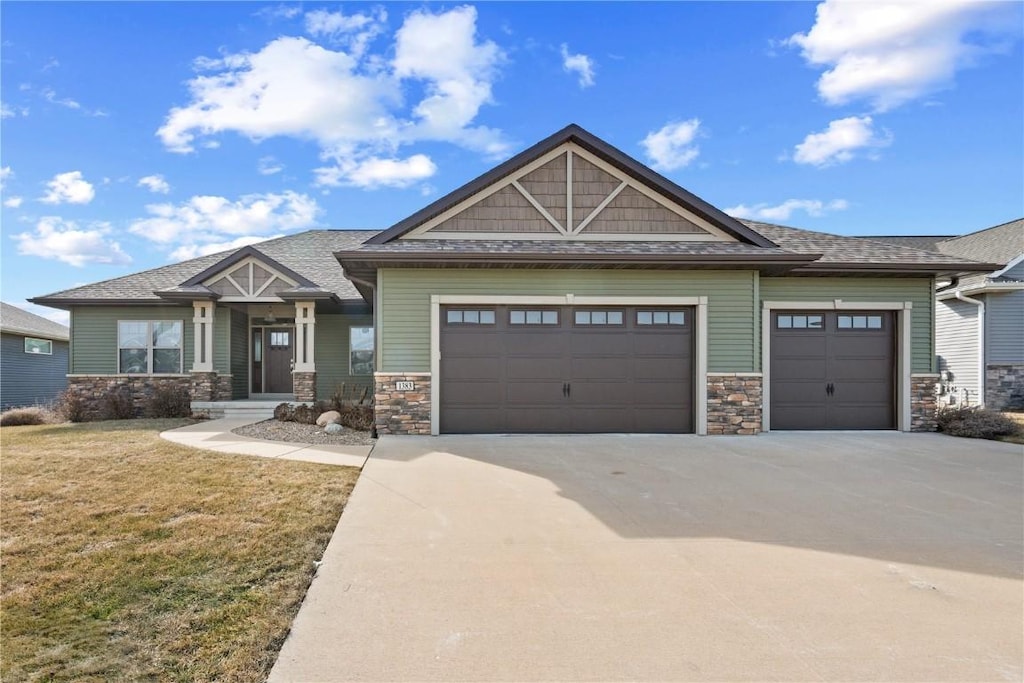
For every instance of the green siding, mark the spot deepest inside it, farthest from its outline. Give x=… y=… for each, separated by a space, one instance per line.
x=405 y=304
x=95 y=333
x=331 y=353
x=239 y=345
x=916 y=290
x=221 y=340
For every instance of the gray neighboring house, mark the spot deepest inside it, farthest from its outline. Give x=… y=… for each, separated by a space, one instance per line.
x=568 y=289
x=979 y=317
x=33 y=358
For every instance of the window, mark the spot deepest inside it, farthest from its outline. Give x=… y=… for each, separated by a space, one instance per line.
x=149 y=347
x=360 y=350
x=800 y=322
x=41 y=346
x=522 y=317
x=470 y=317
x=661 y=317
x=280 y=338
x=599 y=317
x=860 y=322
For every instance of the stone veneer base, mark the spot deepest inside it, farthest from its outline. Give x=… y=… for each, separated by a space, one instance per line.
x=304 y=386
x=734 y=403
x=924 y=403
x=92 y=389
x=1004 y=386
x=400 y=411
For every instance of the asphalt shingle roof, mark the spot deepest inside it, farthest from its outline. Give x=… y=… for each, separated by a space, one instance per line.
x=308 y=253
x=19 y=321
x=999 y=244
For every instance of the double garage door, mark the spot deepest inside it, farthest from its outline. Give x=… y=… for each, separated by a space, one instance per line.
x=832 y=370
x=566 y=369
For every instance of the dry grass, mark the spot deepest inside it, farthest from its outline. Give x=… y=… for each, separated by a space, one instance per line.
x=126 y=557
x=1017 y=417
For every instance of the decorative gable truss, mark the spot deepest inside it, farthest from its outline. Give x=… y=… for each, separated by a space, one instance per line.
x=250 y=280
x=571 y=194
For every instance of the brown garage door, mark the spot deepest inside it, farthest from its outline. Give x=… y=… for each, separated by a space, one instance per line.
x=535 y=369
x=832 y=370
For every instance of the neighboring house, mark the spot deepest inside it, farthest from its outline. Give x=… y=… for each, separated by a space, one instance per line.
x=569 y=289
x=33 y=358
x=979 y=319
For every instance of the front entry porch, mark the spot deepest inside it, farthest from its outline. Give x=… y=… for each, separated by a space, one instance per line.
x=255 y=409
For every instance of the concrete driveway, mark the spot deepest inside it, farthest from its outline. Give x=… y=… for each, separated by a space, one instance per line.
x=779 y=557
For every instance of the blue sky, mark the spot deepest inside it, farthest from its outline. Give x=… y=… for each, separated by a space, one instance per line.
x=136 y=134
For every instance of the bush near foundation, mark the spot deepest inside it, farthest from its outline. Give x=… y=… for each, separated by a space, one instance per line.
x=72 y=407
x=976 y=423
x=34 y=415
x=168 y=400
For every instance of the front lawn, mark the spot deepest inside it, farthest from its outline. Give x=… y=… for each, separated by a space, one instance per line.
x=126 y=557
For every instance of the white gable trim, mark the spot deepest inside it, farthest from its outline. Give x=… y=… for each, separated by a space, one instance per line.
x=565 y=232
x=250 y=295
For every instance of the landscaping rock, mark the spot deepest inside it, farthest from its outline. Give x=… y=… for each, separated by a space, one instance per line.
x=330 y=417
x=334 y=428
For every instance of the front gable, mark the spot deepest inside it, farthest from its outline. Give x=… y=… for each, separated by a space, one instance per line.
x=251 y=279
x=569 y=193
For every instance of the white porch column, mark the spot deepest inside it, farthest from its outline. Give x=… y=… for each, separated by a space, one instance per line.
x=202 y=325
x=305 y=336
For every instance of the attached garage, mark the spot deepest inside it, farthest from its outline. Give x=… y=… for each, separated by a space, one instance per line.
x=566 y=369
x=833 y=370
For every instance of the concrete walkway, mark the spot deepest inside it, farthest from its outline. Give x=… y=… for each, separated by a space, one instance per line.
x=215 y=435
x=797 y=557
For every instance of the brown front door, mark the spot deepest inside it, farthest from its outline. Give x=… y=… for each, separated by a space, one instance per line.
x=564 y=369
x=278 y=342
x=833 y=370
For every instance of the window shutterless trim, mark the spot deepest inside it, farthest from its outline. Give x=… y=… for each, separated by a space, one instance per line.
x=48 y=342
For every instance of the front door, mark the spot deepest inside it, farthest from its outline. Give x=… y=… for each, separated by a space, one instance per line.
x=277 y=370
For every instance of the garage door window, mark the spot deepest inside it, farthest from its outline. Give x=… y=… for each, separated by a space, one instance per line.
x=599 y=318
x=523 y=317
x=660 y=317
x=859 y=322
x=800 y=322
x=470 y=317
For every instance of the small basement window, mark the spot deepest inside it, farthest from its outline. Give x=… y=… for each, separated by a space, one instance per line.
x=800 y=322
x=43 y=347
x=470 y=316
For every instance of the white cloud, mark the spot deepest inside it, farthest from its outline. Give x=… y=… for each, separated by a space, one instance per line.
x=5 y=174
x=188 y=251
x=672 y=146
x=50 y=96
x=56 y=238
x=888 y=53
x=782 y=212
x=355 y=32
x=580 y=64
x=279 y=12
x=376 y=172
x=209 y=219
x=154 y=183
x=13 y=202
x=7 y=111
x=269 y=166
x=353 y=105
x=840 y=142
x=68 y=188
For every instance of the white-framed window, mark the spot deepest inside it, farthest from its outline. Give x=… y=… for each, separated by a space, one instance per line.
x=43 y=347
x=360 y=350
x=149 y=347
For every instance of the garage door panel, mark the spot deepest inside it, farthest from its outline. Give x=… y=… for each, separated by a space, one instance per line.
x=855 y=369
x=790 y=391
x=567 y=377
x=795 y=369
x=853 y=416
x=799 y=416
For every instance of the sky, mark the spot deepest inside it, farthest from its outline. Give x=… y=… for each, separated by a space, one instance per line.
x=136 y=134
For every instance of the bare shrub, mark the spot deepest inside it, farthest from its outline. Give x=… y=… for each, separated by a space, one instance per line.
x=117 y=404
x=976 y=423
x=168 y=400
x=359 y=418
x=72 y=407
x=34 y=415
x=283 y=412
x=306 y=415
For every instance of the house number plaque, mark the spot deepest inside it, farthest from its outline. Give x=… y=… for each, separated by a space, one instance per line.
x=404 y=386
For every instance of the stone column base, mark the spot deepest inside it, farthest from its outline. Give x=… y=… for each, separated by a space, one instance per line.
x=402 y=411
x=304 y=386
x=1004 y=386
x=734 y=402
x=923 y=403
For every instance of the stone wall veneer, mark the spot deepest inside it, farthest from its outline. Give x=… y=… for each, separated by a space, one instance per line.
x=92 y=389
x=734 y=403
x=209 y=386
x=1004 y=387
x=924 y=403
x=304 y=386
x=401 y=412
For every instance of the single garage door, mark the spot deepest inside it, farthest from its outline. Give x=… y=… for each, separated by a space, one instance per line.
x=833 y=370
x=565 y=369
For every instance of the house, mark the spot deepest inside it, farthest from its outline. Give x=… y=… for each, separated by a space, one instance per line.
x=569 y=289
x=979 y=318
x=33 y=358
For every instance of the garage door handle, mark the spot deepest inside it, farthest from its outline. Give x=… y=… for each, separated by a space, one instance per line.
x=568 y=392
x=565 y=390
x=830 y=389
